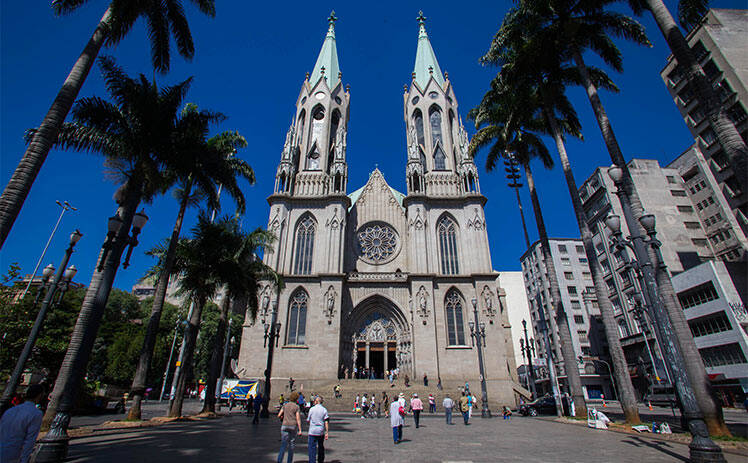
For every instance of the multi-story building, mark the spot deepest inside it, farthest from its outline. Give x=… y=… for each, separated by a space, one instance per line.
x=147 y=288
x=684 y=245
x=377 y=279
x=581 y=308
x=713 y=298
x=726 y=237
x=718 y=44
x=518 y=309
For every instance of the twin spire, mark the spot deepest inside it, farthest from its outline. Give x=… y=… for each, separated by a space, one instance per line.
x=426 y=66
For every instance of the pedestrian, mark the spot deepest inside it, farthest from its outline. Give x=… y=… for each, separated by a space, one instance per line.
x=397 y=415
x=385 y=401
x=425 y=380
x=432 y=403
x=257 y=405
x=302 y=403
x=417 y=406
x=290 y=383
x=507 y=413
x=401 y=399
x=465 y=408
x=364 y=406
x=232 y=399
x=290 y=427
x=355 y=404
x=249 y=404
x=407 y=381
x=391 y=377
x=448 y=404
x=355 y=372
x=471 y=402
x=20 y=426
x=319 y=431
x=439 y=384
x=373 y=406
x=467 y=387
x=281 y=400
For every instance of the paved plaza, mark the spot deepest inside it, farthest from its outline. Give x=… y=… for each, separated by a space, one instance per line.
x=233 y=438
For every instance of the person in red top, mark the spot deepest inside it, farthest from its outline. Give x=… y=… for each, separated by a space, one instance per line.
x=417 y=406
x=432 y=403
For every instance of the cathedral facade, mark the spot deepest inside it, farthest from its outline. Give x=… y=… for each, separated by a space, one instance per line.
x=376 y=278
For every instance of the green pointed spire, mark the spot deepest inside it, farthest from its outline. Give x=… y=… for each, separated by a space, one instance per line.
x=327 y=61
x=426 y=64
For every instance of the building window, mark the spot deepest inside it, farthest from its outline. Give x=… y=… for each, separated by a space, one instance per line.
x=671 y=179
x=692 y=225
x=623 y=330
x=579 y=319
x=737 y=113
x=587 y=275
x=572 y=290
x=440 y=159
x=562 y=249
x=304 y=246
x=582 y=260
x=699 y=242
x=698 y=295
x=605 y=265
x=686 y=209
x=455 y=325
x=582 y=335
x=569 y=275
x=726 y=354
x=565 y=262
x=580 y=249
x=699 y=51
x=678 y=193
x=576 y=305
x=710 y=324
x=435 y=119
x=447 y=230
x=708 y=136
x=297 y=318
x=418 y=122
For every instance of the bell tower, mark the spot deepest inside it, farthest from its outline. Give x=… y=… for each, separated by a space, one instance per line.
x=313 y=160
x=438 y=163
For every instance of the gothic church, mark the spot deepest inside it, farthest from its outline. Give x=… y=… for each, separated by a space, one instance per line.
x=376 y=278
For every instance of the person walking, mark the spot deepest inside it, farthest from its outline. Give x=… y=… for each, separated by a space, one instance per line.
x=385 y=401
x=425 y=380
x=290 y=427
x=507 y=413
x=364 y=406
x=471 y=401
x=257 y=405
x=417 y=406
x=290 y=383
x=397 y=419
x=407 y=380
x=373 y=411
x=439 y=384
x=20 y=426
x=319 y=431
x=432 y=403
x=448 y=404
x=465 y=408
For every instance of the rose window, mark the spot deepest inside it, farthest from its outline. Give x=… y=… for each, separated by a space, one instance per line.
x=377 y=243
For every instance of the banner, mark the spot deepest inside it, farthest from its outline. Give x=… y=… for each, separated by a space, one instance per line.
x=240 y=388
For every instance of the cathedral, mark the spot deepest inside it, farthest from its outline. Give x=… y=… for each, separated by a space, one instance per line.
x=377 y=278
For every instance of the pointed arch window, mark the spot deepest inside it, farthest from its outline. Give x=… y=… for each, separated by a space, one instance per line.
x=435 y=119
x=304 y=246
x=455 y=325
x=418 y=122
x=300 y=126
x=447 y=231
x=296 y=334
x=440 y=159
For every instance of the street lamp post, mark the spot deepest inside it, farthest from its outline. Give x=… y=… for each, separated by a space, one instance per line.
x=702 y=448
x=171 y=354
x=642 y=319
x=529 y=349
x=65 y=207
x=271 y=341
x=478 y=339
x=62 y=277
x=582 y=358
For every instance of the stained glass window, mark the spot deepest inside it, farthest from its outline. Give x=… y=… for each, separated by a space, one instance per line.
x=455 y=325
x=297 y=318
x=447 y=231
x=304 y=246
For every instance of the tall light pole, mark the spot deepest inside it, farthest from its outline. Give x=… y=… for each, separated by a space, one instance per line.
x=549 y=359
x=478 y=339
x=271 y=340
x=65 y=207
x=61 y=281
x=171 y=354
x=512 y=174
x=529 y=349
x=702 y=448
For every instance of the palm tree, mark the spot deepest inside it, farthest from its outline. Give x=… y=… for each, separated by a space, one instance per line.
x=533 y=64
x=163 y=20
x=577 y=25
x=135 y=133
x=690 y=14
x=513 y=136
x=240 y=271
x=211 y=163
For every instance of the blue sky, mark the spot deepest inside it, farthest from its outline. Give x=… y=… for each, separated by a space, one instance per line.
x=249 y=64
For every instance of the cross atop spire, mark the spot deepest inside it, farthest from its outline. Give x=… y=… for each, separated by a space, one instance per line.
x=327 y=66
x=426 y=64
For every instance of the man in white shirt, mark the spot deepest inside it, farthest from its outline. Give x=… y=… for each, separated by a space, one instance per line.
x=318 y=431
x=448 y=405
x=397 y=412
x=19 y=428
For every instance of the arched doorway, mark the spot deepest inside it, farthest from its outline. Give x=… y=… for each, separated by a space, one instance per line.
x=376 y=338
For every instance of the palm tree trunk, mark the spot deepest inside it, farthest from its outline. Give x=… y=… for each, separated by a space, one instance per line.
x=625 y=387
x=190 y=340
x=73 y=367
x=571 y=368
x=708 y=403
x=727 y=134
x=19 y=186
x=522 y=216
x=216 y=356
x=151 y=332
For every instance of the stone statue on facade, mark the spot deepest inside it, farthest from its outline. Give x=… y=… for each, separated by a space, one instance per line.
x=287 y=144
x=340 y=143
